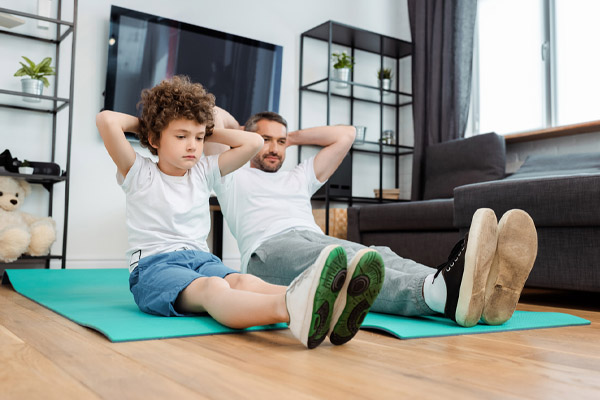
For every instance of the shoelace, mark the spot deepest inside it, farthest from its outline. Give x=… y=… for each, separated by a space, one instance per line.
x=452 y=258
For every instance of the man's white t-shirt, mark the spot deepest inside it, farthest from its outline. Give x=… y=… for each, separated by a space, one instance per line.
x=259 y=205
x=166 y=213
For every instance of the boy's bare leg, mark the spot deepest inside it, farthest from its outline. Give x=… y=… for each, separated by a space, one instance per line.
x=254 y=284
x=232 y=307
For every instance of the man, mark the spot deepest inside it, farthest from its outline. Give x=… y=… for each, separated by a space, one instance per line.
x=270 y=215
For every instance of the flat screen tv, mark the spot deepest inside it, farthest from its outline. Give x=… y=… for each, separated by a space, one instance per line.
x=143 y=49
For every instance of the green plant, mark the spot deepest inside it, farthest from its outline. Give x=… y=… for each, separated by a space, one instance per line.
x=342 y=60
x=36 y=71
x=25 y=163
x=385 y=73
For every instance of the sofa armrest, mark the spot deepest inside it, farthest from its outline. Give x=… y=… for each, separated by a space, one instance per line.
x=554 y=201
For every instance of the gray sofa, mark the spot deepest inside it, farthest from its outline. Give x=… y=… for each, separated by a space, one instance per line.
x=424 y=230
x=561 y=193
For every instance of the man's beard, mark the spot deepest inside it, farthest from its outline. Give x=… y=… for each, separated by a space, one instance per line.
x=259 y=162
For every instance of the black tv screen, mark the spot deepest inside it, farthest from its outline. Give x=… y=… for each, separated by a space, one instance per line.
x=143 y=49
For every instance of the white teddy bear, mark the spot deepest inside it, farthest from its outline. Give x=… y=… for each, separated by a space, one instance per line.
x=21 y=232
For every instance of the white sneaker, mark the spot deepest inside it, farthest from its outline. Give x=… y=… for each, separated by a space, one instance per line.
x=311 y=296
x=366 y=273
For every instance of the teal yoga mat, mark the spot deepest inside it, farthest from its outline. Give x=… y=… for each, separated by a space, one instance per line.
x=432 y=326
x=100 y=299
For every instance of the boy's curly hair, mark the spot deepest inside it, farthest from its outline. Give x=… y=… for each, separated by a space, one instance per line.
x=172 y=99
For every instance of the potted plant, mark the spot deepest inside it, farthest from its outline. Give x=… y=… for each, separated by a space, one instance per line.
x=25 y=168
x=343 y=63
x=36 y=74
x=385 y=78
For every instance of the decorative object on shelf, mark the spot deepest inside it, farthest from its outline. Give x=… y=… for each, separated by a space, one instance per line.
x=21 y=233
x=385 y=78
x=338 y=221
x=10 y=21
x=341 y=69
x=8 y=162
x=388 y=194
x=26 y=168
x=361 y=134
x=388 y=137
x=37 y=74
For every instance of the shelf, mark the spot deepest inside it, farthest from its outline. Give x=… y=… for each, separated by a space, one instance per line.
x=45 y=180
x=23 y=31
x=60 y=36
x=361 y=39
x=377 y=88
x=386 y=149
x=47 y=104
x=367 y=200
x=358 y=97
x=48 y=257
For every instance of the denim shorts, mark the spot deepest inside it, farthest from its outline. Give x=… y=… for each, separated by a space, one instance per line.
x=159 y=279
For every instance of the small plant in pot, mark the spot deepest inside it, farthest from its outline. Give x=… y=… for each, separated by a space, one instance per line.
x=36 y=77
x=385 y=78
x=25 y=168
x=341 y=68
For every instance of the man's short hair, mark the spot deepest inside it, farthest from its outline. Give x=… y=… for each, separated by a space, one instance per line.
x=268 y=115
x=172 y=99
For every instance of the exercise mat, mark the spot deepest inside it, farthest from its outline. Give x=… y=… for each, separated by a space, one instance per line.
x=100 y=299
x=432 y=326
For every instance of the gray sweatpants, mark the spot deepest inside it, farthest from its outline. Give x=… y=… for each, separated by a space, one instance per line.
x=281 y=259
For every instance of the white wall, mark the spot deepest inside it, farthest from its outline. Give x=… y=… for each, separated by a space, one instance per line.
x=97 y=234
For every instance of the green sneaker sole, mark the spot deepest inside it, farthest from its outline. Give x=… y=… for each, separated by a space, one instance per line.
x=331 y=282
x=363 y=288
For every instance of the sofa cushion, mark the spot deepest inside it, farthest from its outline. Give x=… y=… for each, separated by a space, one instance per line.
x=555 y=165
x=459 y=162
x=408 y=216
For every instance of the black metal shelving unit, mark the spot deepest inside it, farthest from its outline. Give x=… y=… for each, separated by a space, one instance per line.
x=48 y=104
x=353 y=38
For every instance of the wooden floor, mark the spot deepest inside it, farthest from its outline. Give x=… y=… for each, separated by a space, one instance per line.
x=45 y=356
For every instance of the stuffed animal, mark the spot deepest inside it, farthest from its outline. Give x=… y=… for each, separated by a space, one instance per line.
x=21 y=232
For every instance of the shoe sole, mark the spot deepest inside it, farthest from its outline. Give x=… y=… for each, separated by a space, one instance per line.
x=481 y=247
x=325 y=290
x=366 y=272
x=515 y=255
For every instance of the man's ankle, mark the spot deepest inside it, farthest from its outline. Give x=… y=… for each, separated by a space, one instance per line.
x=434 y=293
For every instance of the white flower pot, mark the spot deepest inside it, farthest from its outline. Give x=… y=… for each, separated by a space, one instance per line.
x=342 y=74
x=385 y=84
x=32 y=86
x=26 y=170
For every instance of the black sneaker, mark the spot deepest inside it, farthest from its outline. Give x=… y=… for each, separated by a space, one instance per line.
x=466 y=271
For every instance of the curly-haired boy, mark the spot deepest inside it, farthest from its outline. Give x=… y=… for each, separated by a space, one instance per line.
x=172 y=272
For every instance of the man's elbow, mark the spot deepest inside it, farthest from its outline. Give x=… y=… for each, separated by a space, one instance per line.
x=349 y=133
x=257 y=143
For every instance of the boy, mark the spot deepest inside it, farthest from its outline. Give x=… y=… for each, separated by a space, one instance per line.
x=172 y=272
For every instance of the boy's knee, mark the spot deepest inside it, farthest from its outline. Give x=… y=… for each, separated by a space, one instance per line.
x=211 y=283
x=240 y=281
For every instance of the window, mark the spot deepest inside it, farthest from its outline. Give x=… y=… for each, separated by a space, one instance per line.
x=535 y=65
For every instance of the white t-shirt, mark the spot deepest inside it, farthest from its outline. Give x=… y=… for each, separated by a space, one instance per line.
x=258 y=205
x=166 y=213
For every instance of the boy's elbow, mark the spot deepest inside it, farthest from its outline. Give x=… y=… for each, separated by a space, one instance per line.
x=102 y=118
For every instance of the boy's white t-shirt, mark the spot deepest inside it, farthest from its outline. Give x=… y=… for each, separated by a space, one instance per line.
x=166 y=213
x=258 y=205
